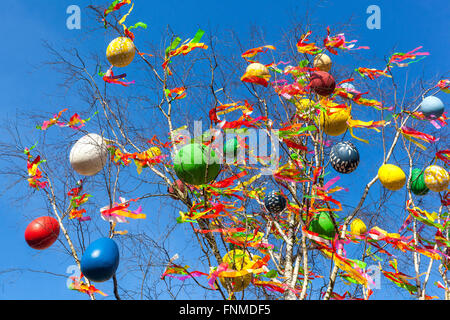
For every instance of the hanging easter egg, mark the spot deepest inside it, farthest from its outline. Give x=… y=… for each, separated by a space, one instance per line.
x=230 y=149
x=322 y=83
x=344 y=157
x=196 y=164
x=417 y=182
x=432 y=107
x=436 y=178
x=358 y=227
x=154 y=152
x=179 y=185
x=100 y=260
x=42 y=232
x=391 y=177
x=121 y=52
x=257 y=70
x=348 y=86
x=334 y=124
x=323 y=225
x=89 y=154
x=322 y=62
x=275 y=202
x=237 y=260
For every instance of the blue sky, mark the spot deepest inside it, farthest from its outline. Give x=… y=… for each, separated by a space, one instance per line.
x=29 y=86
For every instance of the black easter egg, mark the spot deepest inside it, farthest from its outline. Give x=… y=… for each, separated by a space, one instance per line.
x=344 y=157
x=274 y=202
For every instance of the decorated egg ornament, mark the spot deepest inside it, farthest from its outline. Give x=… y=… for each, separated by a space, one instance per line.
x=120 y=52
x=275 y=202
x=42 y=232
x=417 y=182
x=323 y=225
x=334 y=124
x=348 y=86
x=436 y=178
x=432 y=107
x=100 y=260
x=322 y=62
x=322 y=83
x=358 y=227
x=257 y=70
x=391 y=177
x=344 y=157
x=238 y=260
x=196 y=164
x=89 y=154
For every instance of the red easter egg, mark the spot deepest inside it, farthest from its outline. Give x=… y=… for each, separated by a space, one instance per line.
x=180 y=186
x=42 y=232
x=322 y=83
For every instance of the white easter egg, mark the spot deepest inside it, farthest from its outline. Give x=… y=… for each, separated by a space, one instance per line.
x=88 y=155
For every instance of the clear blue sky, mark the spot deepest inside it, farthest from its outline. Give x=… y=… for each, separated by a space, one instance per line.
x=28 y=86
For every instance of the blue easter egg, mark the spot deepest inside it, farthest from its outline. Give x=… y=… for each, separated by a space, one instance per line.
x=100 y=260
x=348 y=86
x=432 y=107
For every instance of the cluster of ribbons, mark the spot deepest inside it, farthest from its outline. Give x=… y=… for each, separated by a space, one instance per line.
x=35 y=178
x=76 y=200
x=75 y=121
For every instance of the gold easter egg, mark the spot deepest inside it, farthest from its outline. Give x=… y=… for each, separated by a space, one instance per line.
x=121 y=52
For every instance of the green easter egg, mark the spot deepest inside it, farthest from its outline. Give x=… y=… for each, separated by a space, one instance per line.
x=417 y=183
x=196 y=164
x=323 y=225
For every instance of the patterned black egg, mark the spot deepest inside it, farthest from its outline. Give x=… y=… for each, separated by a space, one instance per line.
x=274 y=202
x=344 y=157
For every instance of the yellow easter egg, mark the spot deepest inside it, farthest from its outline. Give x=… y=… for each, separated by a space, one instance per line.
x=121 y=52
x=238 y=260
x=257 y=70
x=436 y=178
x=358 y=227
x=323 y=62
x=391 y=177
x=336 y=123
x=154 y=152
